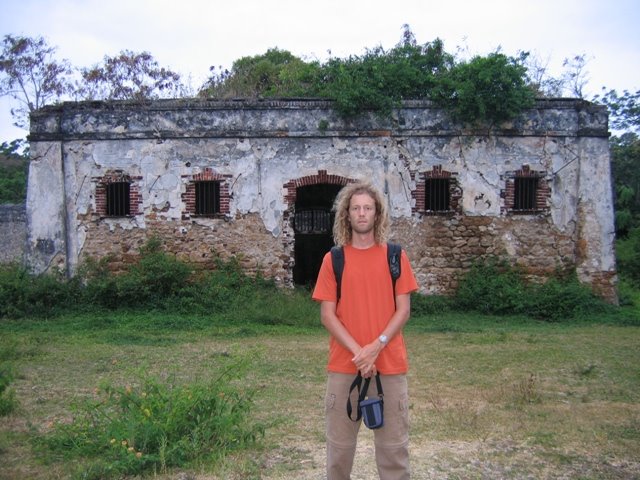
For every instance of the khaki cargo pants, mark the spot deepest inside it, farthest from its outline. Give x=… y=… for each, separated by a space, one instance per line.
x=391 y=441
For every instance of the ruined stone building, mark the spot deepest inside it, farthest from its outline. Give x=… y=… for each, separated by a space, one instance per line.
x=256 y=180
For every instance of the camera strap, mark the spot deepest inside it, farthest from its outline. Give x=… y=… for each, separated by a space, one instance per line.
x=362 y=394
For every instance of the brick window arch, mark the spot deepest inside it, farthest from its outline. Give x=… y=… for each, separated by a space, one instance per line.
x=321 y=177
x=437 y=192
x=207 y=194
x=118 y=195
x=526 y=192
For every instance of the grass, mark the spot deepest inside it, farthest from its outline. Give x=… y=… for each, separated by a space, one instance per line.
x=491 y=397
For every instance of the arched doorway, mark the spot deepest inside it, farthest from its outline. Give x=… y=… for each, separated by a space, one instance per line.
x=313 y=224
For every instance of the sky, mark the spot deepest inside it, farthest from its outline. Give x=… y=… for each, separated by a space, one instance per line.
x=189 y=36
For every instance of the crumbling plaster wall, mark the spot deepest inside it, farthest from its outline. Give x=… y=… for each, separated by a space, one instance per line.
x=261 y=146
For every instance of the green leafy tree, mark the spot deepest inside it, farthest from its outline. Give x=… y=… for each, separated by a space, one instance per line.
x=276 y=73
x=625 y=159
x=380 y=80
x=14 y=163
x=486 y=90
x=128 y=76
x=624 y=110
x=624 y=116
x=31 y=75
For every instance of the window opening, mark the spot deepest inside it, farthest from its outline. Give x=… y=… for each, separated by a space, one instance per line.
x=313 y=221
x=525 y=192
x=118 y=200
x=207 y=197
x=437 y=194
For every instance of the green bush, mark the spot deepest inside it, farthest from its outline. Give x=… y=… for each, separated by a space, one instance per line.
x=485 y=90
x=429 y=304
x=491 y=287
x=155 y=425
x=496 y=288
x=23 y=294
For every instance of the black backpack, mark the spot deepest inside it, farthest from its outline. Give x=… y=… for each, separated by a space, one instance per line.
x=393 y=258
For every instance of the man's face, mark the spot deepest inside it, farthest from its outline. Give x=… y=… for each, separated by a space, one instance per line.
x=362 y=213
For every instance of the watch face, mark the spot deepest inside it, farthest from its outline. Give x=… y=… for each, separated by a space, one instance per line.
x=383 y=339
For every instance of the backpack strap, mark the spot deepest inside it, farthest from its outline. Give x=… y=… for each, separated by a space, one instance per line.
x=337 y=260
x=394 y=251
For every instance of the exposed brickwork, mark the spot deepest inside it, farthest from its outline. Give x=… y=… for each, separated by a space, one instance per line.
x=135 y=197
x=189 y=196
x=420 y=193
x=543 y=190
x=321 y=177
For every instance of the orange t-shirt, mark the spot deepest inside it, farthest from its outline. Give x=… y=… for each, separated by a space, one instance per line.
x=366 y=305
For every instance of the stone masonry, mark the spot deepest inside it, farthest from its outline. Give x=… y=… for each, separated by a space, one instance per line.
x=260 y=155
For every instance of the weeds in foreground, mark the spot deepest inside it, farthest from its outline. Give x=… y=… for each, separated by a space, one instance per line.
x=153 y=426
x=8 y=401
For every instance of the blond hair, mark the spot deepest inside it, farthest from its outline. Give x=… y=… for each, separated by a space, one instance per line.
x=342 y=232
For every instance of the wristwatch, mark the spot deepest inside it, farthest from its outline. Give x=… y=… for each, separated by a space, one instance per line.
x=383 y=339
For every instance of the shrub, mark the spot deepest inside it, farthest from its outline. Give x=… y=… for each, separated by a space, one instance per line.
x=23 y=294
x=559 y=299
x=153 y=426
x=429 y=304
x=485 y=90
x=491 y=287
x=496 y=288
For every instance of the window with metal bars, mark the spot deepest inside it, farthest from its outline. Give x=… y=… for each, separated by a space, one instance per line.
x=525 y=193
x=207 y=197
x=437 y=194
x=118 y=199
x=313 y=221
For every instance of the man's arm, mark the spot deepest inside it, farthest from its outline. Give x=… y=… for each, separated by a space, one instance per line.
x=335 y=327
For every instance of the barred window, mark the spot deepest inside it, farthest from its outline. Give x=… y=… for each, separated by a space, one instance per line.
x=525 y=193
x=118 y=199
x=313 y=220
x=437 y=194
x=207 y=197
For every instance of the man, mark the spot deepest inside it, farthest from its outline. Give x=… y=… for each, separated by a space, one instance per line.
x=365 y=325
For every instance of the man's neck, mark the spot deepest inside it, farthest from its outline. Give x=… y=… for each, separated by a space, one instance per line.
x=362 y=241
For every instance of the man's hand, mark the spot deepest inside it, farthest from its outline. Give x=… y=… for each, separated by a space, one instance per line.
x=365 y=359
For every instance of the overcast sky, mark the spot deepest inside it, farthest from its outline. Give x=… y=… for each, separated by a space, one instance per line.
x=189 y=36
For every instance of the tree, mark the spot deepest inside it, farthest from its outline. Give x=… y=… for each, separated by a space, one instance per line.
x=31 y=75
x=486 y=90
x=128 y=76
x=572 y=80
x=14 y=164
x=276 y=73
x=624 y=110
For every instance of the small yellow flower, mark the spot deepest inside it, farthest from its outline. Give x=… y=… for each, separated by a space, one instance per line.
x=139 y=454
x=113 y=440
x=131 y=449
x=124 y=443
x=144 y=394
